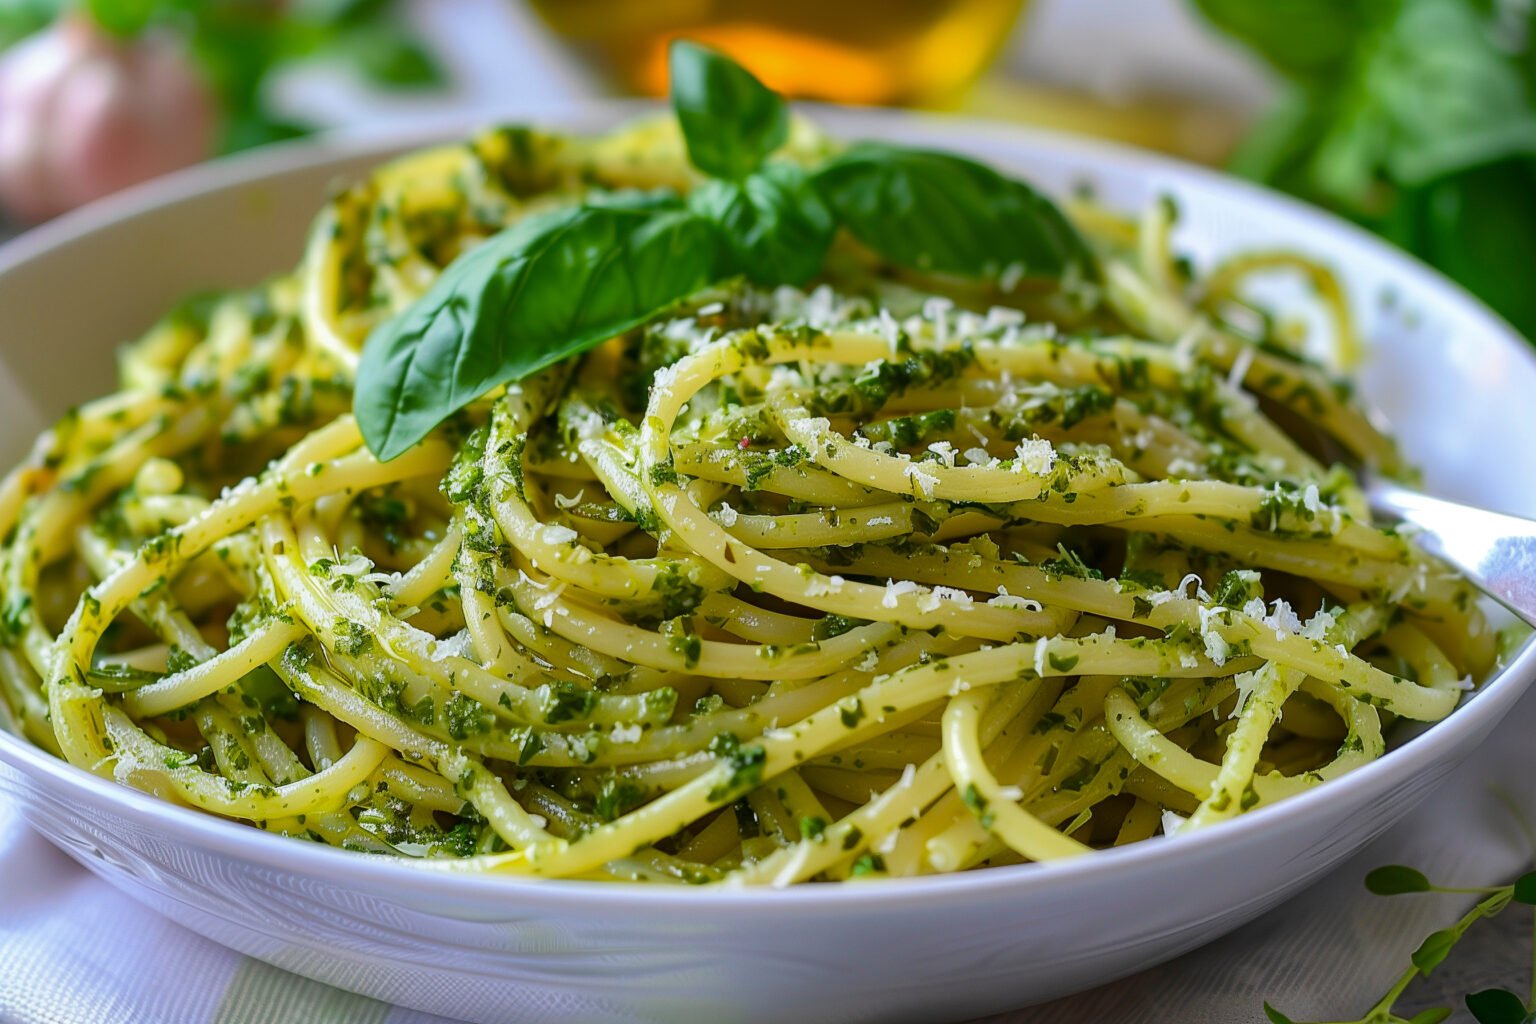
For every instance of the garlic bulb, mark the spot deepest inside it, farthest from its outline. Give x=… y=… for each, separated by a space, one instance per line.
x=83 y=114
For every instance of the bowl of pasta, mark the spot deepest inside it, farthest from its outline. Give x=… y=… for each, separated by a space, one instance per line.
x=718 y=564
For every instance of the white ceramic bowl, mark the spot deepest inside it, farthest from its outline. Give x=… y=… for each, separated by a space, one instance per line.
x=1455 y=381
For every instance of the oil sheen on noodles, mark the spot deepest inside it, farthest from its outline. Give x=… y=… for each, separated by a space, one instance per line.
x=891 y=577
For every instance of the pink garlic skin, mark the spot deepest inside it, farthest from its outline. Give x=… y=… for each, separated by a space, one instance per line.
x=83 y=115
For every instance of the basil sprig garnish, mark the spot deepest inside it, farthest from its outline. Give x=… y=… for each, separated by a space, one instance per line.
x=555 y=284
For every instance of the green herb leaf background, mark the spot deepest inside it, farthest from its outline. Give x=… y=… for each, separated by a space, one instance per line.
x=1415 y=118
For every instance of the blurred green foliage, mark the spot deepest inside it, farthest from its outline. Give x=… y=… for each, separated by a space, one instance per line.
x=1415 y=118
x=239 y=43
x=20 y=18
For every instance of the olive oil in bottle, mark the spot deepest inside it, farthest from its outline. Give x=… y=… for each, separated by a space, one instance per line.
x=903 y=52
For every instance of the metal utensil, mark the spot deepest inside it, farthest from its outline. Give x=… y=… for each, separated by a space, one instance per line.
x=1496 y=552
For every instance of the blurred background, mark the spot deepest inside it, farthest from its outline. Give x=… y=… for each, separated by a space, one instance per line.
x=1415 y=118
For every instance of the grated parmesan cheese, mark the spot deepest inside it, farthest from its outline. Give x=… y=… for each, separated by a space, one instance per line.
x=950 y=594
x=815 y=427
x=999 y=317
x=456 y=646
x=1240 y=367
x=354 y=566
x=1283 y=619
x=895 y=590
x=891 y=329
x=1007 y=600
x=1216 y=646
x=1246 y=683
x=385 y=580
x=1181 y=468
x=1319 y=625
x=557 y=533
x=924 y=482
x=936 y=311
x=1036 y=455
x=820 y=586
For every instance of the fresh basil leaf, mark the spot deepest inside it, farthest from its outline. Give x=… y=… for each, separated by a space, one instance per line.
x=1426 y=93
x=389 y=55
x=1524 y=889
x=1275 y=1016
x=1394 y=879
x=1279 y=145
x=547 y=288
x=932 y=211
x=1479 y=229
x=1525 y=57
x=1496 y=1006
x=122 y=18
x=731 y=122
x=1301 y=38
x=346 y=12
x=20 y=18
x=1416 y=118
x=1436 y=95
x=773 y=223
x=252 y=128
x=1433 y=950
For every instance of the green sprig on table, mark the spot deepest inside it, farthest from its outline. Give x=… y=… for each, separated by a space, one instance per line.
x=1490 y=1006
x=1415 y=118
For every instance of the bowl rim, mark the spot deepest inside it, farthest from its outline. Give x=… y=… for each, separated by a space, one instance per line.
x=232 y=839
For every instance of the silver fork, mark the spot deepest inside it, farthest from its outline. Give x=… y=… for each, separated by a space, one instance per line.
x=1496 y=552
